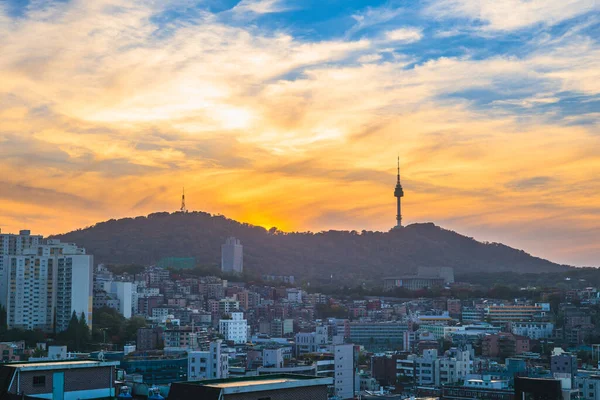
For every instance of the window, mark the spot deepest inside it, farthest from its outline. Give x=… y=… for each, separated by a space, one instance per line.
x=39 y=380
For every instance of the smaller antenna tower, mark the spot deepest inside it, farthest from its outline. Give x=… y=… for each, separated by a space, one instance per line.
x=183 y=207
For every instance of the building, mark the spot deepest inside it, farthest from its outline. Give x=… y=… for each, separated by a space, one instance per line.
x=411 y=282
x=232 y=256
x=273 y=358
x=13 y=245
x=311 y=342
x=533 y=330
x=157 y=367
x=211 y=364
x=503 y=345
x=67 y=380
x=44 y=284
x=588 y=386
x=472 y=314
x=125 y=293
x=480 y=387
x=426 y=277
x=378 y=335
x=280 y=328
x=149 y=338
x=234 y=329
x=454 y=307
x=452 y=368
x=441 y=331
x=12 y=351
x=228 y=305
x=294 y=295
x=538 y=389
x=513 y=313
x=344 y=371
x=181 y=337
x=248 y=299
x=271 y=387
x=565 y=363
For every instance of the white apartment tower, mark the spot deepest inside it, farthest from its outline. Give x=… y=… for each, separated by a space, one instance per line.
x=42 y=284
x=232 y=256
x=212 y=364
x=344 y=378
x=13 y=245
x=234 y=329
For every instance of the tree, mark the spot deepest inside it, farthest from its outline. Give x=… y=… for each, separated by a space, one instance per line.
x=39 y=352
x=83 y=333
x=112 y=322
x=132 y=327
x=77 y=334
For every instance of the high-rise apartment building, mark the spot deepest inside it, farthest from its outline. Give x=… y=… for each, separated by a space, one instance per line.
x=232 y=256
x=42 y=284
x=13 y=245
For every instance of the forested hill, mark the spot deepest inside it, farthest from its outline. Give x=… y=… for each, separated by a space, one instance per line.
x=351 y=257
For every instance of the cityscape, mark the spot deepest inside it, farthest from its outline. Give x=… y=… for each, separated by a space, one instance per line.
x=300 y=200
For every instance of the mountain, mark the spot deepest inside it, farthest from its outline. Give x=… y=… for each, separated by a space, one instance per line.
x=351 y=257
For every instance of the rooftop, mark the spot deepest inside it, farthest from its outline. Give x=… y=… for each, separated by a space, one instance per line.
x=63 y=364
x=250 y=383
x=259 y=383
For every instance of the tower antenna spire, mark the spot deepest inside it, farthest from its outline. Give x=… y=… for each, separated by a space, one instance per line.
x=183 y=207
x=398 y=194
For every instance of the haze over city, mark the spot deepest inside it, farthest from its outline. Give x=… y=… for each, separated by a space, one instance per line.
x=293 y=113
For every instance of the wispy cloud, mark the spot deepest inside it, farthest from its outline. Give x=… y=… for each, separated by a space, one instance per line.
x=507 y=15
x=247 y=8
x=404 y=35
x=372 y=16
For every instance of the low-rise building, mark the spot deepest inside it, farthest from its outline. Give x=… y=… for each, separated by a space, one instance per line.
x=67 y=380
x=273 y=387
x=533 y=330
x=211 y=364
x=234 y=329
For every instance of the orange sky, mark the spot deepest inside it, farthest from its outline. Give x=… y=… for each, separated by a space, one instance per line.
x=99 y=119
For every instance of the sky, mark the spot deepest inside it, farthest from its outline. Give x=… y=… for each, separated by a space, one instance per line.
x=291 y=113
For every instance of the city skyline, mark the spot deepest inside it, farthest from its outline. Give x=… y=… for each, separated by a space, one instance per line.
x=291 y=114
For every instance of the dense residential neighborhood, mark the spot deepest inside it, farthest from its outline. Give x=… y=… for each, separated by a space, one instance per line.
x=423 y=335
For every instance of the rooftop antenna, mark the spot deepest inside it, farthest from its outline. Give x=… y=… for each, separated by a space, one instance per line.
x=183 y=207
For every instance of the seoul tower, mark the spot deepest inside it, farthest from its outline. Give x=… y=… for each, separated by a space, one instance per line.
x=398 y=194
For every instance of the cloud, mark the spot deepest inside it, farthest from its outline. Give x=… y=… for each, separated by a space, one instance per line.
x=107 y=110
x=530 y=183
x=38 y=195
x=372 y=16
x=404 y=35
x=245 y=7
x=507 y=15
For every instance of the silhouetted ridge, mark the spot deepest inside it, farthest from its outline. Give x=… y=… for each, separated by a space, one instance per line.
x=352 y=257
